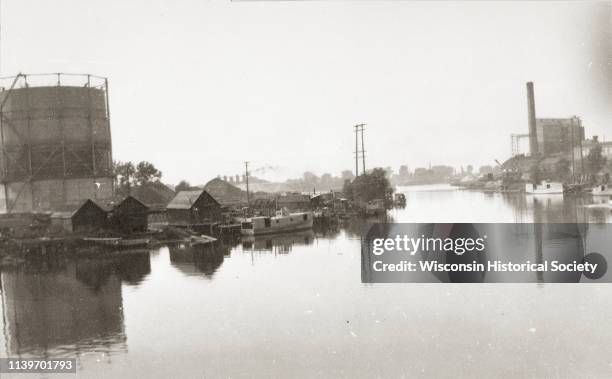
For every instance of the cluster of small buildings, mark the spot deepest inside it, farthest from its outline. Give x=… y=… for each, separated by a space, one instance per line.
x=220 y=202
x=126 y=215
x=121 y=215
x=206 y=210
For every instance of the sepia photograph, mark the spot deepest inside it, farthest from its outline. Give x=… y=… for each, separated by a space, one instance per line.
x=305 y=189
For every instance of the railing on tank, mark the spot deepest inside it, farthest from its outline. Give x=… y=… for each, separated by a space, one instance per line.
x=53 y=79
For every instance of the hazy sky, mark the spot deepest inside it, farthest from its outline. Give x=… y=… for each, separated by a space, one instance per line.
x=198 y=87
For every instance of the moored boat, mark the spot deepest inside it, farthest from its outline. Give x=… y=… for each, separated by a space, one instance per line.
x=399 y=200
x=103 y=241
x=283 y=221
x=544 y=188
x=375 y=207
x=134 y=242
x=201 y=239
x=602 y=190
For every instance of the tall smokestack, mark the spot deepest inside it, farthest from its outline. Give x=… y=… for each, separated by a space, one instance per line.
x=531 y=114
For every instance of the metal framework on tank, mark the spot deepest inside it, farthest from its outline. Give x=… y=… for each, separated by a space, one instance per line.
x=515 y=143
x=53 y=151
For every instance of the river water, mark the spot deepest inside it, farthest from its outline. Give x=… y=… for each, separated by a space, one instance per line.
x=294 y=306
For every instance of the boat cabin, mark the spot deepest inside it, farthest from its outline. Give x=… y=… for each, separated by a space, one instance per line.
x=602 y=190
x=282 y=222
x=544 y=188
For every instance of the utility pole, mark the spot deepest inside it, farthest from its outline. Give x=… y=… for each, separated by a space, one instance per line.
x=356 y=151
x=359 y=128
x=362 y=126
x=246 y=172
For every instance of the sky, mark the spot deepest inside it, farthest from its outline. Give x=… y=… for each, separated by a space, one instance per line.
x=198 y=87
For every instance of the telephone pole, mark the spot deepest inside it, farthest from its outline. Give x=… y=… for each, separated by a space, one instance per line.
x=359 y=128
x=356 y=151
x=362 y=148
x=246 y=172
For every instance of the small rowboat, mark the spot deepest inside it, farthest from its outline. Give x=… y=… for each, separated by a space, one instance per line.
x=135 y=242
x=103 y=241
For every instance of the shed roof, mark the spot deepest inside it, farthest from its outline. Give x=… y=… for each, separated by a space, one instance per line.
x=185 y=199
x=70 y=210
x=154 y=194
x=110 y=204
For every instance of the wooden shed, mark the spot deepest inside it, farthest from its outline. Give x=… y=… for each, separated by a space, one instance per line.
x=156 y=196
x=127 y=215
x=193 y=208
x=87 y=217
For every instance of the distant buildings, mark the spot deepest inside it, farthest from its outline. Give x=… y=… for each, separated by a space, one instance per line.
x=587 y=145
x=422 y=175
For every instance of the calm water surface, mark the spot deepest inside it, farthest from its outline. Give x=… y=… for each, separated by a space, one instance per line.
x=294 y=306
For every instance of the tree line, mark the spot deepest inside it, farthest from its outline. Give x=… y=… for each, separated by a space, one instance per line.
x=128 y=175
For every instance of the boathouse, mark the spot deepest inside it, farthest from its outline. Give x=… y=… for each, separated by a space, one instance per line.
x=87 y=217
x=194 y=208
x=156 y=196
x=126 y=214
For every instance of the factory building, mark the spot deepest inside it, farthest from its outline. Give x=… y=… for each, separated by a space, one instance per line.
x=548 y=136
x=55 y=142
x=558 y=135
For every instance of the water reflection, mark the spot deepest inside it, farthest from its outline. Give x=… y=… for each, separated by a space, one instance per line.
x=444 y=203
x=557 y=208
x=58 y=306
x=200 y=260
x=281 y=243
